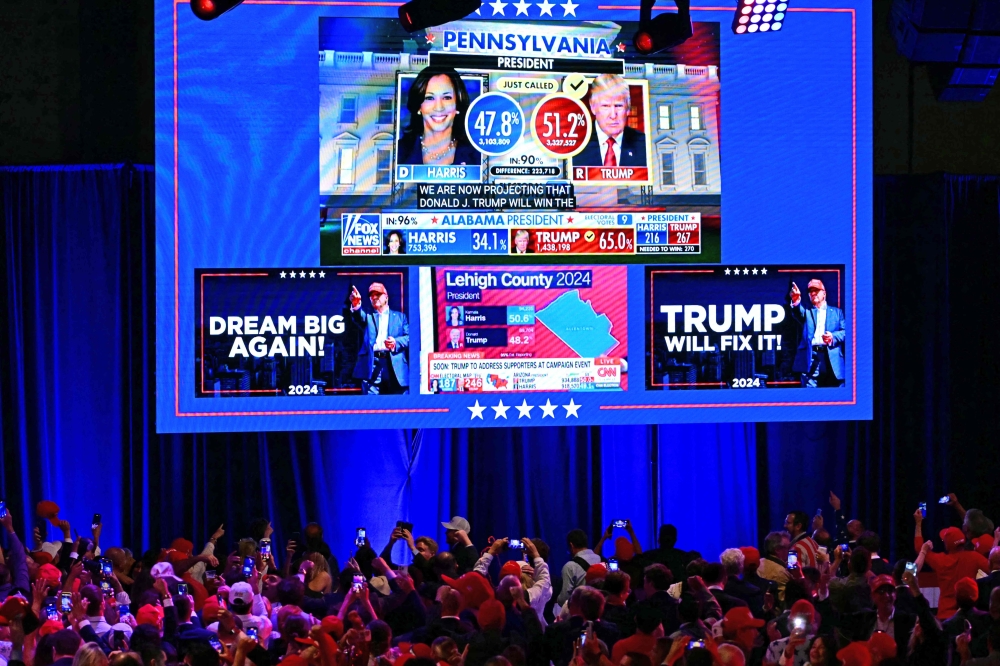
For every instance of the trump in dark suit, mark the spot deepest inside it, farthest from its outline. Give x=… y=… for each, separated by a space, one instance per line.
x=383 y=364
x=612 y=143
x=820 y=355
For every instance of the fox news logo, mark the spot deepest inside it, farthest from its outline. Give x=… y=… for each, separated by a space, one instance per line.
x=361 y=230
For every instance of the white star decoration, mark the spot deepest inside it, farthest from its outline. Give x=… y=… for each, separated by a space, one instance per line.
x=477 y=411
x=545 y=8
x=746 y=271
x=282 y=273
x=322 y=274
x=569 y=8
x=498 y=7
x=500 y=410
x=524 y=409
x=522 y=8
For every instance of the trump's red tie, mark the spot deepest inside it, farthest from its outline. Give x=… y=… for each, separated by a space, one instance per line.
x=609 y=157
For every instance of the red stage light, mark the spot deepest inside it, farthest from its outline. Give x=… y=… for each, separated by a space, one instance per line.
x=643 y=42
x=207 y=10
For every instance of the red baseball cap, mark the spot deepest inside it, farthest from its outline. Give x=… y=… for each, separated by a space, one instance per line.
x=803 y=607
x=183 y=545
x=333 y=625
x=596 y=572
x=511 y=568
x=738 y=618
x=882 y=581
x=883 y=645
x=492 y=615
x=624 y=550
x=422 y=650
x=952 y=537
x=210 y=611
x=50 y=627
x=966 y=590
x=855 y=654
x=50 y=573
x=149 y=614
x=984 y=544
x=474 y=587
x=751 y=555
x=49 y=510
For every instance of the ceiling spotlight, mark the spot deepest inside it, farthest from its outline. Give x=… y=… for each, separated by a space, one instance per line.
x=207 y=10
x=767 y=15
x=419 y=14
x=666 y=30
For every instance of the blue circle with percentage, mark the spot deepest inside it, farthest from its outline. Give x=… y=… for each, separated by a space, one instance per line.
x=494 y=123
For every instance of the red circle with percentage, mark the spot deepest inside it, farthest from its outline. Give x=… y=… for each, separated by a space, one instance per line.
x=561 y=126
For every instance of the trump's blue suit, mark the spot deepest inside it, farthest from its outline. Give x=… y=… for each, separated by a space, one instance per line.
x=836 y=324
x=398 y=329
x=633 y=150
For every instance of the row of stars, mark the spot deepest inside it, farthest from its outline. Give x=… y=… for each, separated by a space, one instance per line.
x=545 y=7
x=523 y=410
x=747 y=271
x=302 y=274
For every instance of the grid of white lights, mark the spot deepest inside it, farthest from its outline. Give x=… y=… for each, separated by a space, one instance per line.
x=759 y=16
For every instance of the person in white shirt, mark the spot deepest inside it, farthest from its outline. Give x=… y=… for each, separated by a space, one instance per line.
x=574 y=574
x=534 y=573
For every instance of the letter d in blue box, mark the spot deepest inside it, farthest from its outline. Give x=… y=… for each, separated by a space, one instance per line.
x=361 y=233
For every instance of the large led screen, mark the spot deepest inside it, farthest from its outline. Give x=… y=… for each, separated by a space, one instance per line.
x=511 y=219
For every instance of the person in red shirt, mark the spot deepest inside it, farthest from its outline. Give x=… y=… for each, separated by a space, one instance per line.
x=648 y=629
x=950 y=566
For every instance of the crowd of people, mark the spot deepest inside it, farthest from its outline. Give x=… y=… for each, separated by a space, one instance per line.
x=812 y=593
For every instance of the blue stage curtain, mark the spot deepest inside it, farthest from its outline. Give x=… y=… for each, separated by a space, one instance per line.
x=74 y=265
x=935 y=426
x=77 y=423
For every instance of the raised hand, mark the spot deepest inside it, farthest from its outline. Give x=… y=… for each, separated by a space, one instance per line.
x=78 y=613
x=160 y=586
x=498 y=545
x=217 y=534
x=834 y=501
x=795 y=294
x=529 y=548
x=355 y=297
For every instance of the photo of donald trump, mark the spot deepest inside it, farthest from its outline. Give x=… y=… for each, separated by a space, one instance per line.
x=612 y=142
x=820 y=355
x=383 y=361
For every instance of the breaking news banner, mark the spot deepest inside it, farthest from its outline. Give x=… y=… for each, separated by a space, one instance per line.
x=524 y=329
x=299 y=331
x=746 y=326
